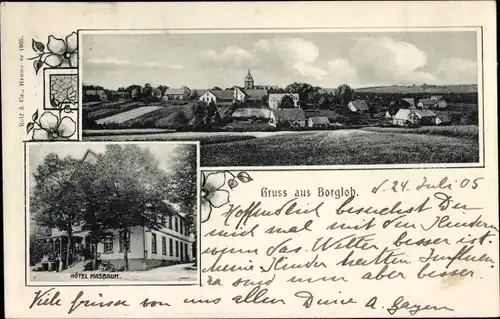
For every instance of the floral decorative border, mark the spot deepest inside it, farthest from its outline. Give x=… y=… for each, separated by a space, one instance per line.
x=216 y=189
x=54 y=124
x=56 y=53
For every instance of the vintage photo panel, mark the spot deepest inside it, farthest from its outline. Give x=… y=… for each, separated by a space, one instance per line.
x=112 y=213
x=319 y=98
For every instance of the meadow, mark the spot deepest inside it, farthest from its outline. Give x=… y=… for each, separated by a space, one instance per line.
x=374 y=145
x=343 y=147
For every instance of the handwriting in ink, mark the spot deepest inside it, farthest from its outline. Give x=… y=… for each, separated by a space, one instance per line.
x=310 y=300
x=257 y=296
x=45 y=298
x=401 y=304
x=254 y=210
x=78 y=302
x=395 y=209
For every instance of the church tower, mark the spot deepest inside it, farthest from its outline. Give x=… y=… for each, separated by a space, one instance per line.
x=249 y=81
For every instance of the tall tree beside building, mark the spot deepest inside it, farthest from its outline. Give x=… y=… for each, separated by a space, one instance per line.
x=287 y=102
x=344 y=94
x=135 y=190
x=57 y=197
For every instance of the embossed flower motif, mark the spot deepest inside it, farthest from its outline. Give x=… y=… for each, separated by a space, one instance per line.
x=212 y=194
x=62 y=52
x=51 y=127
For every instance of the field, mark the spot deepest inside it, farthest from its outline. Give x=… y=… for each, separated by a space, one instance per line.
x=462 y=131
x=340 y=147
x=128 y=115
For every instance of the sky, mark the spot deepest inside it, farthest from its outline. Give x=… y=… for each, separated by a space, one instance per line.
x=37 y=152
x=325 y=59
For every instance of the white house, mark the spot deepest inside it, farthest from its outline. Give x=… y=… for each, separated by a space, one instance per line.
x=433 y=102
x=359 y=106
x=275 y=99
x=217 y=96
x=413 y=116
x=318 y=122
x=177 y=94
x=243 y=95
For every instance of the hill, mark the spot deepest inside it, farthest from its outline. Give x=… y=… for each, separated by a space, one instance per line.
x=443 y=89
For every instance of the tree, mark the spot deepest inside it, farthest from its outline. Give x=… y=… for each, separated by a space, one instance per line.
x=303 y=89
x=216 y=88
x=287 y=102
x=163 y=89
x=183 y=186
x=147 y=92
x=134 y=191
x=57 y=196
x=344 y=94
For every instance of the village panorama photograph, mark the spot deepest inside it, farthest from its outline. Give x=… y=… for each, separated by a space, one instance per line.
x=105 y=213
x=291 y=98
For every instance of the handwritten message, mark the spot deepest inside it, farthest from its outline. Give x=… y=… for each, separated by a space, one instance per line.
x=334 y=248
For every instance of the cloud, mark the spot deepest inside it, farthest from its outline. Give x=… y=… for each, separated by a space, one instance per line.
x=162 y=65
x=342 y=70
x=457 y=71
x=386 y=60
x=231 y=57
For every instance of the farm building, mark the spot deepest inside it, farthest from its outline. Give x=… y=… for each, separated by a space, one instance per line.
x=291 y=117
x=217 y=96
x=432 y=103
x=100 y=93
x=275 y=99
x=244 y=95
x=123 y=95
x=330 y=114
x=410 y=102
x=318 y=122
x=249 y=119
x=358 y=106
x=177 y=94
x=413 y=116
x=443 y=118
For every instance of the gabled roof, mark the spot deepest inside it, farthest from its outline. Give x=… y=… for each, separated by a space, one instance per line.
x=222 y=95
x=409 y=100
x=283 y=115
x=427 y=102
x=360 y=105
x=180 y=91
x=319 y=120
x=402 y=114
x=425 y=113
x=255 y=94
x=252 y=112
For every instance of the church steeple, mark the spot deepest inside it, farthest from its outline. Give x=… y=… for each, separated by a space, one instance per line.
x=249 y=81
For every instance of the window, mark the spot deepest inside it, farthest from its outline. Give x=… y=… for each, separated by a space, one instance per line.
x=170 y=222
x=181 y=226
x=176 y=224
x=186 y=230
x=124 y=241
x=163 y=246
x=182 y=251
x=186 y=251
x=170 y=247
x=153 y=243
x=176 y=248
x=108 y=245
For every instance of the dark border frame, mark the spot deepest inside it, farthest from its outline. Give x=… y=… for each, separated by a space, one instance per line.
x=322 y=167
x=78 y=284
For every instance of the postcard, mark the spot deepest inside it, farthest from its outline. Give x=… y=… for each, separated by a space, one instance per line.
x=250 y=160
